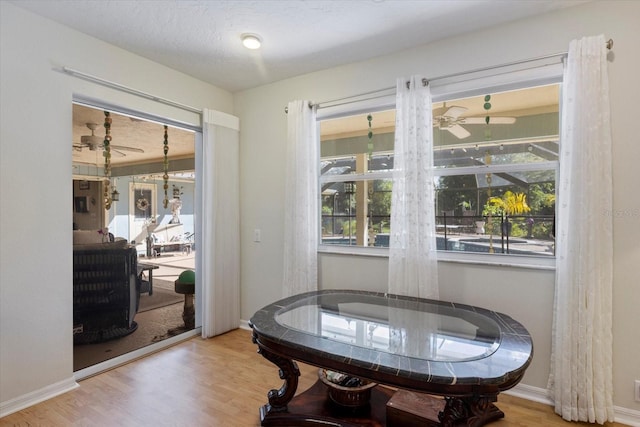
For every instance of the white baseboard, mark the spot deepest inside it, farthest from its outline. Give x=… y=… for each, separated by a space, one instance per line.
x=536 y=394
x=622 y=415
x=37 y=396
x=244 y=324
x=627 y=416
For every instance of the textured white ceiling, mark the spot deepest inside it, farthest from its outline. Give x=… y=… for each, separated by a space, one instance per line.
x=202 y=38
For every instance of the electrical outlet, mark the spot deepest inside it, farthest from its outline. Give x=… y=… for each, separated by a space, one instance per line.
x=637 y=390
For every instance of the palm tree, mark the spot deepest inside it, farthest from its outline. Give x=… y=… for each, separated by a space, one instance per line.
x=509 y=204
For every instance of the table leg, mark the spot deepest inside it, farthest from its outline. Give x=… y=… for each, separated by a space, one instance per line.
x=289 y=372
x=473 y=410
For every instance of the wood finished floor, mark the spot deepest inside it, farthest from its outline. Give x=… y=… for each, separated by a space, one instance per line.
x=216 y=382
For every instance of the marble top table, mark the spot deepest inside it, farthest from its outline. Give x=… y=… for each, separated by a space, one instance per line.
x=467 y=354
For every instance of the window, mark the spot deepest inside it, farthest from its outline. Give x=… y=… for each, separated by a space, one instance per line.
x=496 y=160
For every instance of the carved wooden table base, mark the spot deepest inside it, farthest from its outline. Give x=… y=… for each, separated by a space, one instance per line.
x=313 y=408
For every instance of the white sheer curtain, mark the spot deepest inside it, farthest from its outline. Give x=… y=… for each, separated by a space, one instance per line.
x=581 y=359
x=301 y=201
x=413 y=267
x=219 y=241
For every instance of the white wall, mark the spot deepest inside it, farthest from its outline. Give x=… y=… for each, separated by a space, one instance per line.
x=525 y=294
x=36 y=348
x=35 y=178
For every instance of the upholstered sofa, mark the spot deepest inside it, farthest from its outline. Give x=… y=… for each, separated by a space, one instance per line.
x=105 y=287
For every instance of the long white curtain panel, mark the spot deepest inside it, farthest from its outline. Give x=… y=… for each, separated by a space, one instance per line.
x=220 y=233
x=581 y=366
x=413 y=264
x=301 y=195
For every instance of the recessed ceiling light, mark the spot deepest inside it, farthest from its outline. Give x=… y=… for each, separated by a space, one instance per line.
x=251 y=41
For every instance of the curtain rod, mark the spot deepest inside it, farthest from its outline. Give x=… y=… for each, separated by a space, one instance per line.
x=349 y=99
x=122 y=88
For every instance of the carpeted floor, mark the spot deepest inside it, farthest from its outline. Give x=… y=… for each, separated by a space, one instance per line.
x=157 y=318
x=160 y=298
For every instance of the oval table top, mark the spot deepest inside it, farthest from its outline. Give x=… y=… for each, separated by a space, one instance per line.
x=426 y=345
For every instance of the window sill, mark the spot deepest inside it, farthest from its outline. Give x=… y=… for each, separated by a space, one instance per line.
x=499 y=260
x=375 y=251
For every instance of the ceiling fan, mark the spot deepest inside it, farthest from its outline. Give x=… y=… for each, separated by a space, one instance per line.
x=94 y=142
x=448 y=118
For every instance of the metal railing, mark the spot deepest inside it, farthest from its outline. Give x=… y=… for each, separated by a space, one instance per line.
x=524 y=234
x=517 y=234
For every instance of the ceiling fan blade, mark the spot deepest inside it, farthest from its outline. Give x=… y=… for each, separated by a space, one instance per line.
x=439 y=111
x=118 y=153
x=454 y=112
x=124 y=148
x=458 y=131
x=473 y=120
x=492 y=120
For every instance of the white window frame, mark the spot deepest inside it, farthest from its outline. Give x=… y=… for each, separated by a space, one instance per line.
x=513 y=77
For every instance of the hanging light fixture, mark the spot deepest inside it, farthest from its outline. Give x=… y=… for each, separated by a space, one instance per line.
x=115 y=195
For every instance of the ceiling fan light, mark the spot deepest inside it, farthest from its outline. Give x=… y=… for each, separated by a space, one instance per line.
x=251 y=41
